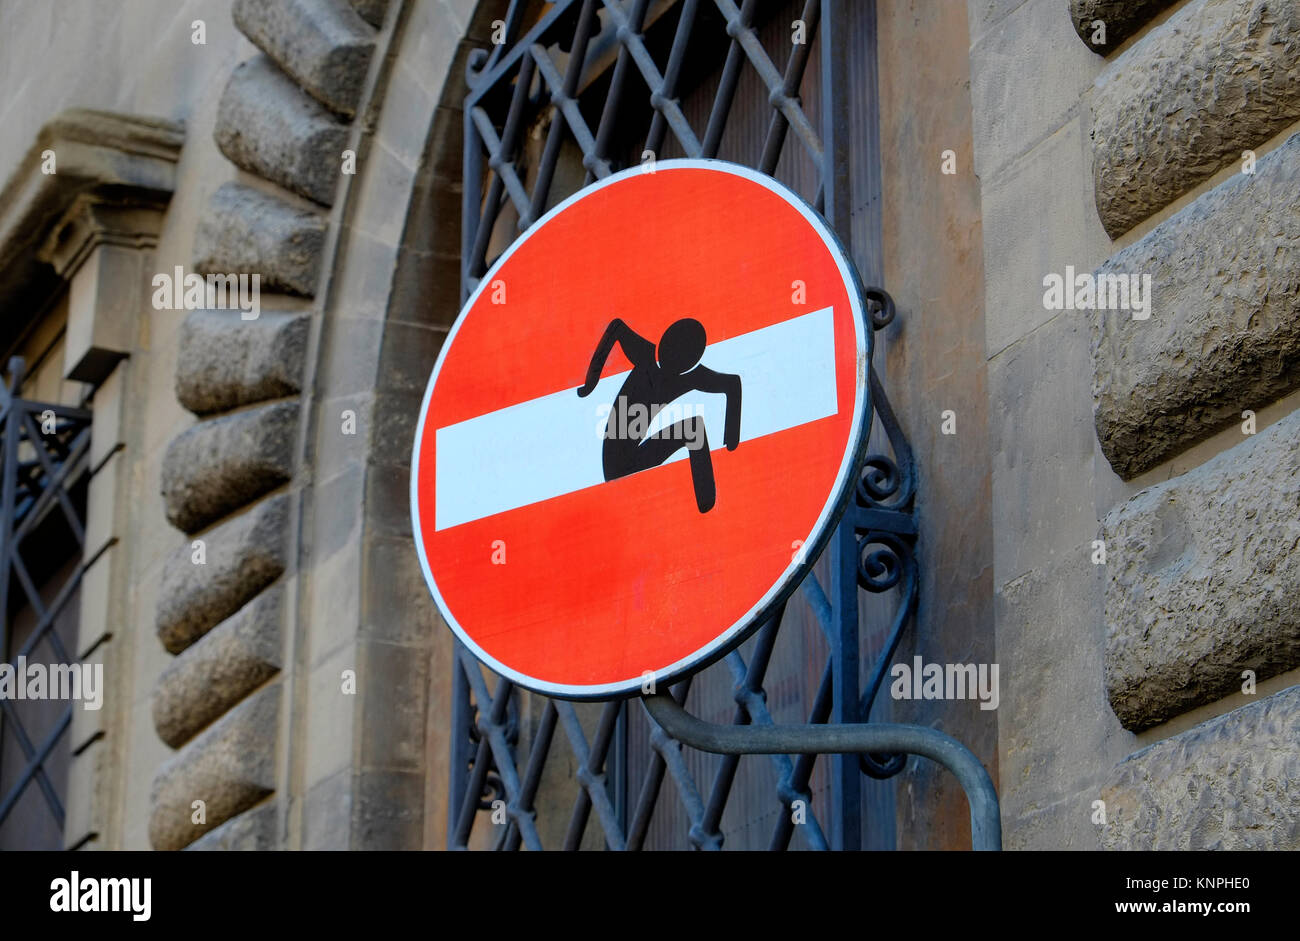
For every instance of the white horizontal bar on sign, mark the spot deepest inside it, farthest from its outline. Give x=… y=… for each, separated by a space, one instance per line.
x=550 y=446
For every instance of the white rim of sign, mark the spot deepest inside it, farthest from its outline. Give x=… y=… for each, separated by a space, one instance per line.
x=832 y=510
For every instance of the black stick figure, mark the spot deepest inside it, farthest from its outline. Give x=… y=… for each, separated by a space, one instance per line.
x=656 y=381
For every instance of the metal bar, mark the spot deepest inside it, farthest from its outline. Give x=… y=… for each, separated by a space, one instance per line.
x=754 y=702
x=846 y=777
x=469 y=799
x=671 y=750
x=619 y=770
x=773 y=79
x=514 y=16
x=72 y=413
x=65 y=593
x=794 y=71
x=54 y=485
x=54 y=477
x=563 y=93
x=505 y=174
x=815 y=595
x=8 y=489
x=489 y=77
x=645 y=804
x=629 y=33
x=595 y=779
x=460 y=749
x=35 y=767
x=590 y=761
x=802 y=775
x=986 y=825
x=37 y=605
x=568 y=109
x=491 y=728
x=870 y=254
x=617 y=81
x=727 y=86
x=655 y=138
x=538 y=750
x=500 y=151
x=471 y=202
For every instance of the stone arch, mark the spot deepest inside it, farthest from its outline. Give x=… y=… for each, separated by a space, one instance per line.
x=293 y=476
x=396 y=292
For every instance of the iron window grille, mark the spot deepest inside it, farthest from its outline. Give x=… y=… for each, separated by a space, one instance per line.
x=44 y=457
x=578 y=76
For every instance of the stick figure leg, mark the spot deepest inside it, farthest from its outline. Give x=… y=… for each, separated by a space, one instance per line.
x=690 y=434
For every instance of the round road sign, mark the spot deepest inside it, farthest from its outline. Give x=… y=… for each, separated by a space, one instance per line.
x=641 y=429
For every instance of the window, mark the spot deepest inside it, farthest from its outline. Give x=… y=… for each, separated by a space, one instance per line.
x=44 y=456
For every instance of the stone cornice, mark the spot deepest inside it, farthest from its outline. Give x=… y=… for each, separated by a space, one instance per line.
x=117 y=159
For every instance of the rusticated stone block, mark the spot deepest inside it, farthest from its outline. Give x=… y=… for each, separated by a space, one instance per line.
x=254 y=830
x=269 y=126
x=323 y=44
x=226 y=361
x=372 y=11
x=223 y=463
x=1123 y=18
x=240 y=558
x=1203 y=580
x=230 y=767
x=246 y=231
x=218 y=670
x=1232 y=783
x=1216 y=78
x=1224 y=327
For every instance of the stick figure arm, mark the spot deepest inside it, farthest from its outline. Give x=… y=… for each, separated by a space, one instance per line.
x=706 y=380
x=636 y=347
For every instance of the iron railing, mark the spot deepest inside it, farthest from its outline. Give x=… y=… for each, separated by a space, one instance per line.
x=544 y=78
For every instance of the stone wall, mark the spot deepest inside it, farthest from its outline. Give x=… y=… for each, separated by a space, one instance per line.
x=930 y=362
x=228 y=482
x=138 y=59
x=308 y=639
x=373 y=767
x=1143 y=539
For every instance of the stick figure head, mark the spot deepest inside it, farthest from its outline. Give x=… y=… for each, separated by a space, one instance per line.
x=681 y=346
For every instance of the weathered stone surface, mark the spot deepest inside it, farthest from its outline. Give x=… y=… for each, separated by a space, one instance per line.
x=269 y=126
x=223 y=463
x=323 y=44
x=230 y=767
x=388 y=810
x=327 y=813
x=253 y=830
x=1123 y=18
x=218 y=670
x=1203 y=580
x=127 y=160
x=243 y=556
x=1028 y=74
x=226 y=361
x=1224 y=330
x=246 y=231
x=1216 y=78
x=372 y=11
x=1232 y=783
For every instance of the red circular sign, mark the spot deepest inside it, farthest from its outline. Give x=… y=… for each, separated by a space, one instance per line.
x=642 y=428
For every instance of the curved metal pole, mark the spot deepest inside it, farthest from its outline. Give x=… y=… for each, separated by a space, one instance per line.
x=985 y=818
